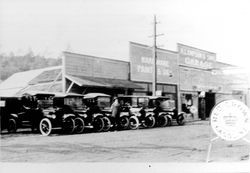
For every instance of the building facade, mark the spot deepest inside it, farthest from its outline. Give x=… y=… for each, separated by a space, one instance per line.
x=191 y=76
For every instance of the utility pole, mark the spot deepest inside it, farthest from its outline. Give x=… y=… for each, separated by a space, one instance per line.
x=154 y=56
x=154 y=81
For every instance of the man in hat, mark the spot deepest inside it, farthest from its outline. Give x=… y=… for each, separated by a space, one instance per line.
x=115 y=108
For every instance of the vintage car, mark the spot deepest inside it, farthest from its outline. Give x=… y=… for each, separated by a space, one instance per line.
x=24 y=111
x=70 y=103
x=8 y=106
x=165 y=111
x=136 y=107
x=38 y=112
x=97 y=108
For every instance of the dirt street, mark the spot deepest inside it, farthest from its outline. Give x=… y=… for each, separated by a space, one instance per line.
x=186 y=143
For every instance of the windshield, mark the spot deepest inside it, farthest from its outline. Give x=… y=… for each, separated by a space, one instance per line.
x=103 y=102
x=45 y=103
x=134 y=101
x=163 y=103
x=143 y=102
x=74 y=102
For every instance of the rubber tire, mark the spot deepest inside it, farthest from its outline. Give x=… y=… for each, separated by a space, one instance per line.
x=180 y=120
x=149 y=121
x=169 y=123
x=79 y=125
x=133 y=123
x=66 y=128
x=49 y=126
x=98 y=124
x=107 y=124
x=162 y=121
x=12 y=125
x=124 y=122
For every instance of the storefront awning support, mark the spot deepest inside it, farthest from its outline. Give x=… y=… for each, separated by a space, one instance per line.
x=56 y=78
x=70 y=86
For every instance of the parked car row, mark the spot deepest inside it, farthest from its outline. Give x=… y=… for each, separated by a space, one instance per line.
x=76 y=113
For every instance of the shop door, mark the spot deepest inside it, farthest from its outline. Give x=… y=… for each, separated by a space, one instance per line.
x=206 y=104
x=210 y=102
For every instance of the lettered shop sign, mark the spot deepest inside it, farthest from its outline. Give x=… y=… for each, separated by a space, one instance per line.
x=230 y=120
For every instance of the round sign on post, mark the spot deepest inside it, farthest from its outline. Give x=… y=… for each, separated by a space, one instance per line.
x=230 y=120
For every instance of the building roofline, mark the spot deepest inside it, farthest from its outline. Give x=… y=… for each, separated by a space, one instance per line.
x=143 y=45
x=195 y=48
x=97 y=57
x=42 y=69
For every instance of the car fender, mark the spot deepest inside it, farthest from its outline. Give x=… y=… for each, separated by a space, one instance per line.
x=149 y=114
x=95 y=115
x=124 y=114
x=164 y=113
x=82 y=115
x=50 y=116
x=15 y=116
x=182 y=113
x=68 y=116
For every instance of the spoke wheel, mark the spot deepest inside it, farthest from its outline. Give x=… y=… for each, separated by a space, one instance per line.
x=162 y=121
x=169 y=123
x=45 y=127
x=68 y=125
x=180 y=120
x=98 y=124
x=133 y=123
x=149 y=122
x=124 y=122
x=79 y=125
x=12 y=126
x=107 y=124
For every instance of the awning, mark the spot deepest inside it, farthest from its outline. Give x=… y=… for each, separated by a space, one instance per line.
x=102 y=82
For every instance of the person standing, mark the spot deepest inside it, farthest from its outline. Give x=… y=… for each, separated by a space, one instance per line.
x=115 y=107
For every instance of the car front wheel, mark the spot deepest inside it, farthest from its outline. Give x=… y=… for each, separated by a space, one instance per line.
x=79 y=125
x=133 y=123
x=162 y=121
x=98 y=124
x=149 y=121
x=12 y=126
x=45 y=127
x=124 y=122
x=68 y=125
x=180 y=120
x=107 y=124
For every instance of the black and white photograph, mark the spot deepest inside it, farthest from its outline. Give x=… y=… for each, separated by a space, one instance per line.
x=125 y=85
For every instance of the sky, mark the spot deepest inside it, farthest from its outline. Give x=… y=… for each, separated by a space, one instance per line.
x=104 y=27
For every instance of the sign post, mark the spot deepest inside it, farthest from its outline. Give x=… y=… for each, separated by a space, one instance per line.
x=230 y=121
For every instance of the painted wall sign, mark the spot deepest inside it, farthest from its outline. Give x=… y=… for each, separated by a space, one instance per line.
x=193 y=57
x=141 y=64
x=230 y=120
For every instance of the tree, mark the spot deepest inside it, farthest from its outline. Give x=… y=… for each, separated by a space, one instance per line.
x=10 y=64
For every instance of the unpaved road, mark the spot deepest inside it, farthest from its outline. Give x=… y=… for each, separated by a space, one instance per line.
x=187 y=143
